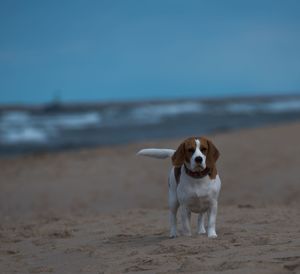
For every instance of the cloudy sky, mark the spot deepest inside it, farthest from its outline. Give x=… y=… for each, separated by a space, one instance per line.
x=140 y=49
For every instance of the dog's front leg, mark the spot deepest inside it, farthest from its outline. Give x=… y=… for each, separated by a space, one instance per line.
x=173 y=224
x=201 y=226
x=186 y=221
x=212 y=215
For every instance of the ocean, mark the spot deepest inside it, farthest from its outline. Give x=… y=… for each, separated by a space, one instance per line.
x=56 y=127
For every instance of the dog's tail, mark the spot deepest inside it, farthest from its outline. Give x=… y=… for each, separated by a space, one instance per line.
x=161 y=153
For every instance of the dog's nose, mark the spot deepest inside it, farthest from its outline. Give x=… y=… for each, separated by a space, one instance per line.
x=198 y=159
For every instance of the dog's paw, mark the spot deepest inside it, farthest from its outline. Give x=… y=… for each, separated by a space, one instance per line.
x=173 y=235
x=212 y=234
x=202 y=231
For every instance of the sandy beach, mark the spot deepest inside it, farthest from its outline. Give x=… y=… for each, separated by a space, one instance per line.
x=105 y=210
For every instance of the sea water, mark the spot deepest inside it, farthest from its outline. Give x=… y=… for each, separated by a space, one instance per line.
x=44 y=128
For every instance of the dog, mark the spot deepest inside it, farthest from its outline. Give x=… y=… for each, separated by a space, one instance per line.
x=194 y=183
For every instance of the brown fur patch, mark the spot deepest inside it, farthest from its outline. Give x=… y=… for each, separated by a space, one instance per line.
x=184 y=152
x=212 y=155
x=177 y=173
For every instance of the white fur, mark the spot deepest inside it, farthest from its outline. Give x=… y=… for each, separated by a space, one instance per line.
x=193 y=195
x=193 y=165
x=157 y=153
x=197 y=195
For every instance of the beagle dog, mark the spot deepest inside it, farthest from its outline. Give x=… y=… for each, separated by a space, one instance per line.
x=194 y=183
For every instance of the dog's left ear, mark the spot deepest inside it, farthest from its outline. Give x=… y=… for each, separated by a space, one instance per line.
x=212 y=156
x=213 y=153
x=179 y=155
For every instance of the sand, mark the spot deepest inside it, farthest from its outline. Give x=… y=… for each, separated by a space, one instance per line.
x=105 y=210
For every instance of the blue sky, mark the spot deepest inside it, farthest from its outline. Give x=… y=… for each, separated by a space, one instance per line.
x=130 y=50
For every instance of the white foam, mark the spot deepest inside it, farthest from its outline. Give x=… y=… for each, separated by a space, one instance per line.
x=274 y=106
x=15 y=117
x=24 y=135
x=74 y=120
x=21 y=127
x=241 y=108
x=283 y=106
x=154 y=113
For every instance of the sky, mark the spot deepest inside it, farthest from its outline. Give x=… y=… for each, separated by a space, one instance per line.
x=138 y=49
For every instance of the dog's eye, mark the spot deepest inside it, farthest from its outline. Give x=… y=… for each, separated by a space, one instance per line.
x=191 y=150
x=203 y=149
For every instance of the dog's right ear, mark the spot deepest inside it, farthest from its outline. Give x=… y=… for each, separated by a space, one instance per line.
x=179 y=155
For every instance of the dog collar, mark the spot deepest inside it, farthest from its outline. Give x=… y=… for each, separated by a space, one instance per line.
x=197 y=174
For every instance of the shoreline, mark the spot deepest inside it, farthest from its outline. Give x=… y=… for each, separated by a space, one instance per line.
x=158 y=142
x=58 y=127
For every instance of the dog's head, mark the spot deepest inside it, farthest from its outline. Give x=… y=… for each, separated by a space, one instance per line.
x=197 y=153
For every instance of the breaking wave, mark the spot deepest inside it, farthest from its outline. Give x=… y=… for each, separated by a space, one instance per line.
x=118 y=123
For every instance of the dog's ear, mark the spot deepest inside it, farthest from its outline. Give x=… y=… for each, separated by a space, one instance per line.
x=179 y=155
x=213 y=153
x=212 y=156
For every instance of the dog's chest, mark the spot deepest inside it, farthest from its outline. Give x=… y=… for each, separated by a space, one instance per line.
x=195 y=196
